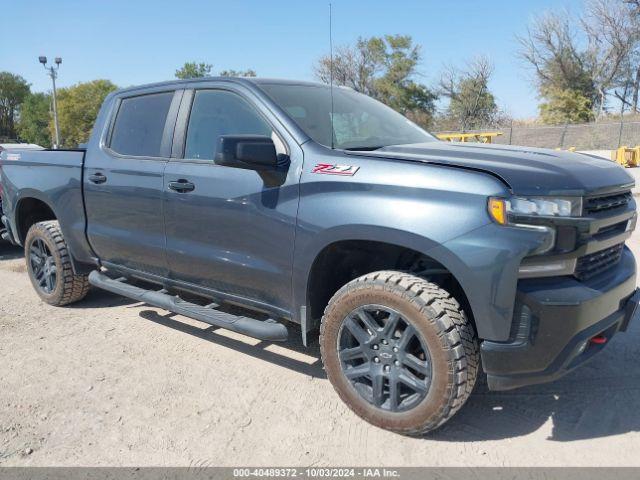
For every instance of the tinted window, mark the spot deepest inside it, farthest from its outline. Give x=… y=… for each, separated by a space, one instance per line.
x=215 y=113
x=139 y=125
x=359 y=121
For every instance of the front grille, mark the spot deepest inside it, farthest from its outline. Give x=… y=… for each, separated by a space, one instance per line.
x=598 y=262
x=607 y=202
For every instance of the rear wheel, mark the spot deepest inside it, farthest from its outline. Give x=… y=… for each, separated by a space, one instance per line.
x=399 y=351
x=49 y=265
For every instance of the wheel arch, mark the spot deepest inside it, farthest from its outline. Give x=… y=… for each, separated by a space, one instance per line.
x=337 y=261
x=31 y=208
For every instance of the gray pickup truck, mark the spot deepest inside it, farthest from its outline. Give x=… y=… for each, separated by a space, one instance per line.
x=263 y=206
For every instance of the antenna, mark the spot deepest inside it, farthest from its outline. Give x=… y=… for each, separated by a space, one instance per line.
x=331 y=75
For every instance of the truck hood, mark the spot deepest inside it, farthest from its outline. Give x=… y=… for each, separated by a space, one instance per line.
x=527 y=171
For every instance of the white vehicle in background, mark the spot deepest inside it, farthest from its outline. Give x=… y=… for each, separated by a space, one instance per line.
x=20 y=146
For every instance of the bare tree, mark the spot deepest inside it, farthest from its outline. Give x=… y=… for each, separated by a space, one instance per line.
x=384 y=68
x=550 y=46
x=635 y=6
x=634 y=67
x=612 y=37
x=628 y=83
x=470 y=101
x=353 y=66
x=592 y=57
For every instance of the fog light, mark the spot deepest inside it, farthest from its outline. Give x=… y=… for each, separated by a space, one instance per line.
x=547 y=269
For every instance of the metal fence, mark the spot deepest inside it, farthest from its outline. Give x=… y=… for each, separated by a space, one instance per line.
x=588 y=136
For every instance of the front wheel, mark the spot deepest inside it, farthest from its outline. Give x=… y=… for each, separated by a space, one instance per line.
x=49 y=265
x=399 y=351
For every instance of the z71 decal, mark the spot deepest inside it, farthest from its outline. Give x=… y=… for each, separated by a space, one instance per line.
x=329 y=169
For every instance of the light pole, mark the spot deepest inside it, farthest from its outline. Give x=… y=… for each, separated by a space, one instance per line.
x=53 y=73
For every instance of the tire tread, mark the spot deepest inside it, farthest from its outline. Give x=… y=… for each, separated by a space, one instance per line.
x=455 y=331
x=74 y=287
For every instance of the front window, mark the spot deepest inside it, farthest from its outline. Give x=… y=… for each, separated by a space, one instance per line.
x=359 y=121
x=217 y=112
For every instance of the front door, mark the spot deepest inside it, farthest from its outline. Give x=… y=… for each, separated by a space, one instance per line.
x=123 y=183
x=231 y=230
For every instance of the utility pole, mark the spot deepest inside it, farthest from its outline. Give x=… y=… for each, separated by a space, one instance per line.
x=53 y=73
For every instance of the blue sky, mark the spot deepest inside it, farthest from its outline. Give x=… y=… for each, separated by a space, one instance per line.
x=141 y=41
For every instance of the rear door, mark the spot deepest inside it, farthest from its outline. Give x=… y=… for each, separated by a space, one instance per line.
x=232 y=231
x=123 y=182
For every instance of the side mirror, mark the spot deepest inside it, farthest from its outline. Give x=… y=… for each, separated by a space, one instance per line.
x=252 y=152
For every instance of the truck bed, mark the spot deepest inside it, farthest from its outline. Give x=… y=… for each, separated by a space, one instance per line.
x=53 y=177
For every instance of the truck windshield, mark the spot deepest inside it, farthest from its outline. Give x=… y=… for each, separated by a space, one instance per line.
x=359 y=121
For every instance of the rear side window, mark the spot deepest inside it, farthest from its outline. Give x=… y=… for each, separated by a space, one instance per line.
x=140 y=124
x=215 y=113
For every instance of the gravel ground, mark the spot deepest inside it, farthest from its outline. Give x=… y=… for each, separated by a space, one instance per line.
x=111 y=382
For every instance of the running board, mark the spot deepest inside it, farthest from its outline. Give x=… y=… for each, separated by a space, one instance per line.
x=261 y=329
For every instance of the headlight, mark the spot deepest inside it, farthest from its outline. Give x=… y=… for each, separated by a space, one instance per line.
x=500 y=208
x=548 y=207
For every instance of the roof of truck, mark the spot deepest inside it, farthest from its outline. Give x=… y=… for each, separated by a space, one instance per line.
x=237 y=80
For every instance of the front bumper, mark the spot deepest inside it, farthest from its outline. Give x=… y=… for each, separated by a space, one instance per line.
x=555 y=319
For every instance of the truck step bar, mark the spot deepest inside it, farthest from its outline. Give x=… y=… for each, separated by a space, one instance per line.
x=262 y=329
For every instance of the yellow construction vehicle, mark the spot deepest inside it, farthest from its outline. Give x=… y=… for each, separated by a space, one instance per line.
x=480 y=137
x=626 y=156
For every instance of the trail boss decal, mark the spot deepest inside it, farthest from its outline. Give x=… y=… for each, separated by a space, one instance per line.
x=329 y=169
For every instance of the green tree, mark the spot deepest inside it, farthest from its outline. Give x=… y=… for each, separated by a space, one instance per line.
x=237 y=73
x=474 y=104
x=471 y=104
x=13 y=90
x=194 y=70
x=551 y=48
x=384 y=68
x=199 y=70
x=396 y=87
x=78 y=108
x=565 y=106
x=35 y=114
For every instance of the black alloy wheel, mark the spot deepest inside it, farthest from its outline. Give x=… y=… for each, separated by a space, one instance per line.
x=50 y=266
x=43 y=266
x=384 y=358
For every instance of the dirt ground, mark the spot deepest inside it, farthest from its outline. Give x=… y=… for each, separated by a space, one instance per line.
x=112 y=382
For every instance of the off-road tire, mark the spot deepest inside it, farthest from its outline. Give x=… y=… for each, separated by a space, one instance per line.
x=69 y=287
x=438 y=318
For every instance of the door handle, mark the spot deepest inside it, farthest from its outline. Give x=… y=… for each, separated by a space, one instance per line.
x=182 y=186
x=97 y=178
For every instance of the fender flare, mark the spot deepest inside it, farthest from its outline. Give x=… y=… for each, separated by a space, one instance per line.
x=306 y=255
x=27 y=194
